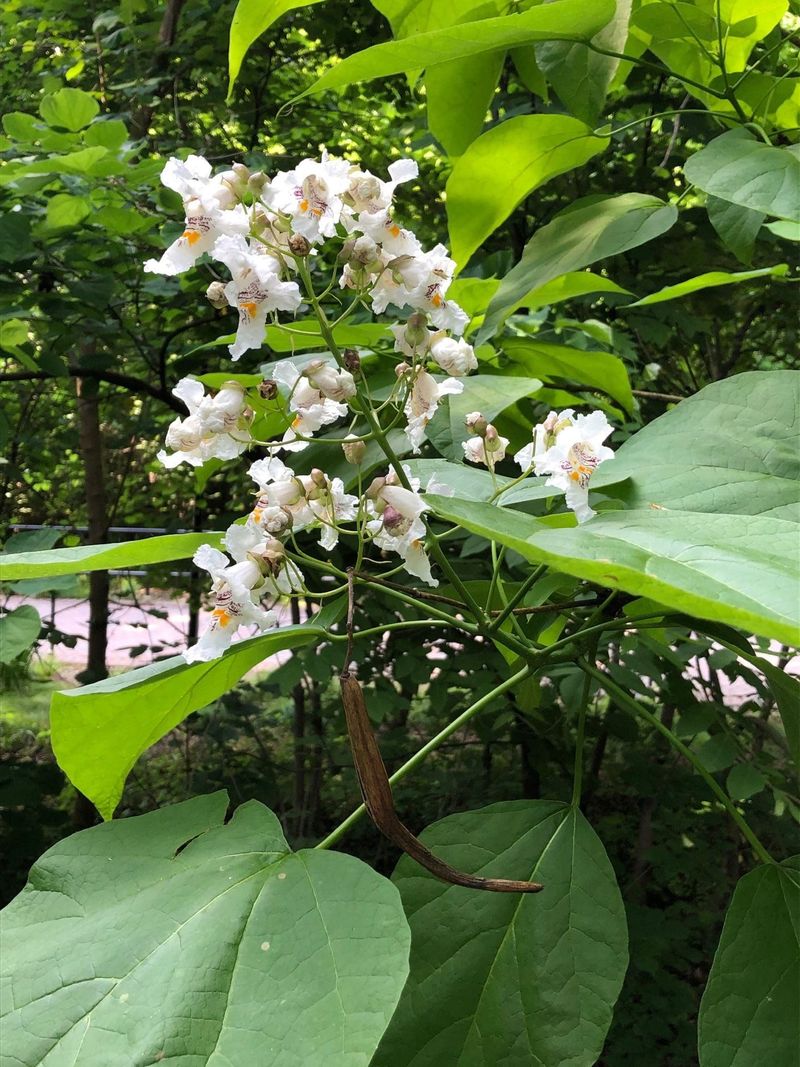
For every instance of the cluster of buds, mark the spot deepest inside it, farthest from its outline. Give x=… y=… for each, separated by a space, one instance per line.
x=486 y=447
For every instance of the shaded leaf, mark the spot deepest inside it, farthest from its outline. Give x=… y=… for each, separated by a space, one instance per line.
x=580 y=76
x=503 y=979
x=599 y=370
x=741 y=168
x=18 y=631
x=737 y=227
x=577 y=238
x=749 y=1007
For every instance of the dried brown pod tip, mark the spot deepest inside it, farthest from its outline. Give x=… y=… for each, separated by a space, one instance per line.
x=377 y=793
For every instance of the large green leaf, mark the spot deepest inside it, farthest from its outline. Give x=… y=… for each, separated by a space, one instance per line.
x=71 y=109
x=577 y=238
x=710 y=280
x=498 y=978
x=741 y=168
x=572 y=366
x=580 y=76
x=99 y=731
x=250 y=19
x=730 y=449
x=456 y=105
x=533 y=149
x=103 y=557
x=560 y=20
x=304 y=334
x=18 y=631
x=748 y=1013
x=490 y=394
x=174 y=937
x=457 y=108
x=737 y=227
x=710 y=522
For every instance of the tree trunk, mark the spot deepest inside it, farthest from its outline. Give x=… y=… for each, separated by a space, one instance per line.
x=167 y=32
x=91 y=445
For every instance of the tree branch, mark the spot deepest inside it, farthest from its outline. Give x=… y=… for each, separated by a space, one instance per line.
x=134 y=385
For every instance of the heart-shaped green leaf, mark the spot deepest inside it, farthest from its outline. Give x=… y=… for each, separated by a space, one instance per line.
x=172 y=937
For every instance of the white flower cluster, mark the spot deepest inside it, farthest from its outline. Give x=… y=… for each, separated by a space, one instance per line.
x=265 y=231
x=569 y=448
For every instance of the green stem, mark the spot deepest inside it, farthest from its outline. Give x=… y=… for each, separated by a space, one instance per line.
x=531 y=580
x=577 y=778
x=418 y=757
x=656 y=67
x=633 y=706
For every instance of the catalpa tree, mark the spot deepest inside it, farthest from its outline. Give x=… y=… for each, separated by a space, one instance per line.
x=395 y=427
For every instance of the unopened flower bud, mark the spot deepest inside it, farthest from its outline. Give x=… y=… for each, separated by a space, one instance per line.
x=374 y=489
x=257 y=180
x=401 y=369
x=491 y=439
x=475 y=422
x=346 y=251
x=241 y=171
x=354 y=450
x=318 y=478
x=268 y=556
x=268 y=389
x=417 y=329
x=352 y=361
x=215 y=295
x=299 y=245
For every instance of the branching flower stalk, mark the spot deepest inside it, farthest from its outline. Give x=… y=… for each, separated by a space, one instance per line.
x=269 y=232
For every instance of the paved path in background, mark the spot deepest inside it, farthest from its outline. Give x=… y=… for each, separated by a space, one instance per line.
x=132 y=629
x=135 y=636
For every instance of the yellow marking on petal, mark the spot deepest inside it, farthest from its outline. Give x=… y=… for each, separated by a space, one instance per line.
x=437 y=300
x=394 y=230
x=250 y=307
x=192 y=236
x=296 y=421
x=575 y=476
x=257 y=513
x=222 y=616
x=303 y=205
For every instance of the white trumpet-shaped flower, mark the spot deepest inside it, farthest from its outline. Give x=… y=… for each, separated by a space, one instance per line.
x=424 y=396
x=311 y=195
x=570 y=451
x=367 y=194
x=255 y=290
x=236 y=588
x=210 y=211
x=396 y=525
x=217 y=427
x=281 y=576
x=311 y=407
